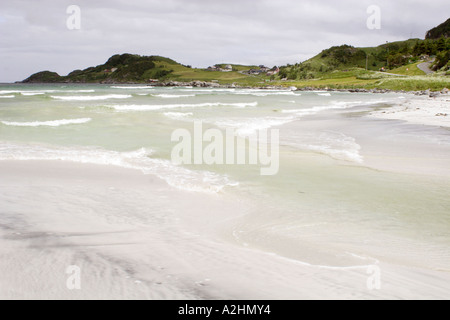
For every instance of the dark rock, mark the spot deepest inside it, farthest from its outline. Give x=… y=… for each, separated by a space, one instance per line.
x=434 y=94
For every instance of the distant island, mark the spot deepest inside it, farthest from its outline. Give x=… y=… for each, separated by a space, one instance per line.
x=394 y=66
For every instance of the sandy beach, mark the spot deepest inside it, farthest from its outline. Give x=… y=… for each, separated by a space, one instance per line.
x=358 y=209
x=48 y=223
x=300 y=153
x=420 y=110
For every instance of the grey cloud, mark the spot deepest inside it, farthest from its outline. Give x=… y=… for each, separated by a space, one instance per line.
x=34 y=37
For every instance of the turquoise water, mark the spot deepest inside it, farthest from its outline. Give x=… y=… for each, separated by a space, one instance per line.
x=356 y=184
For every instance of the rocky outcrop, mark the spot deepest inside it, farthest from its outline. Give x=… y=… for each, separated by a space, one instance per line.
x=43 y=77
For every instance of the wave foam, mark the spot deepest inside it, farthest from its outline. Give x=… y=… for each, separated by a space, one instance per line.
x=173 y=96
x=77 y=91
x=92 y=98
x=208 y=90
x=178 y=177
x=44 y=91
x=132 y=87
x=245 y=127
x=178 y=115
x=331 y=106
x=178 y=106
x=30 y=94
x=334 y=144
x=265 y=93
x=54 y=123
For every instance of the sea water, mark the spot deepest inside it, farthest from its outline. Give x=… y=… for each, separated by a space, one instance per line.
x=348 y=185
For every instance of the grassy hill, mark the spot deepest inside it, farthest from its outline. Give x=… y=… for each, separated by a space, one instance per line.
x=137 y=69
x=349 y=67
x=388 y=56
x=337 y=67
x=130 y=68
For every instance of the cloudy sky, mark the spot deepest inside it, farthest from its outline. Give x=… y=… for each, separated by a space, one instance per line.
x=34 y=35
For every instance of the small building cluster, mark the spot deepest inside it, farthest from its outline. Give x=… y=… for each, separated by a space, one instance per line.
x=255 y=71
x=273 y=71
x=227 y=68
x=263 y=70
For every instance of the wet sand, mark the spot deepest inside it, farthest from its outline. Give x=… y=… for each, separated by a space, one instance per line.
x=135 y=237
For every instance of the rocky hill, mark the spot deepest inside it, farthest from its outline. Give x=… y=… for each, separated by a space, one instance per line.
x=124 y=68
x=443 y=30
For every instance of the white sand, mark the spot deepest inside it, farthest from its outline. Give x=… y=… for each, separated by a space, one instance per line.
x=420 y=110
x=136 y=238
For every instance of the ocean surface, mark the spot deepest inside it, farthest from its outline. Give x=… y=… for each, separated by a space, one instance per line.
x=351 y=189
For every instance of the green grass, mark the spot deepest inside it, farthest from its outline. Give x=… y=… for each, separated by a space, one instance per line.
x=184 y=74
x=341 y=83
x=137 y=69
x=360 y=78
x=409 y=70
x=415 y=83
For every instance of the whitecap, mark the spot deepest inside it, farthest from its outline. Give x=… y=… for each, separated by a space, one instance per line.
x=245 y=127
x=92 y=98
x=176 y=176
x=76 y=91
x=9 y=91
x=208 y=90
x=53 y=123
x=172 y=96
x=334 y=144
x=132 y=87
x=178 y=106
x=268 y=93
x=178 y=115
x=26 y=94
x=331 y=106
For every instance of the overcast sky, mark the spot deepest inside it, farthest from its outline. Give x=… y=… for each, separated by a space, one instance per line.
x=34 y=35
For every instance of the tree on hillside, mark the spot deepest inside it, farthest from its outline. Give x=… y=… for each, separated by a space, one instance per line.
x=283 y=73
x=441 y=44
x=419 y=48
x=404 y=49
x=397 y=60
x=442 y=59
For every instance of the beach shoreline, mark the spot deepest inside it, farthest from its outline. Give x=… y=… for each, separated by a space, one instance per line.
x=104 y=196
x=267 y=86
x=59 y=214
x=419 y=110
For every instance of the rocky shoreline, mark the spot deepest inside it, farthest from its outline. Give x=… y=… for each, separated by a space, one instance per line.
x=431 y=94
x=206 y=84
x=203 y=84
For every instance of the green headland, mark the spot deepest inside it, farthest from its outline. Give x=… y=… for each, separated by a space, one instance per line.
x=410 y=65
